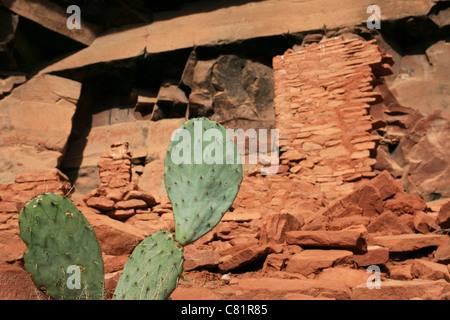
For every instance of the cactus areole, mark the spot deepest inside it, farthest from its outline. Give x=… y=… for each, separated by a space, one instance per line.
x=63 y=255
x=203 y=174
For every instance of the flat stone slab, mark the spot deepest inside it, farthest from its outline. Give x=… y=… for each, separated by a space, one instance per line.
x=374 y=255
x=310 y=261
x=409 y=242
x=352 y=239
x=274 y=288
x=178 y=30
x=403 y=290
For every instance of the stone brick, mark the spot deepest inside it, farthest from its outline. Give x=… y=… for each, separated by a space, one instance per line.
x=311 y=261
x=375 y=255
x=403 y=290
x=350 y=239
x=409 y=242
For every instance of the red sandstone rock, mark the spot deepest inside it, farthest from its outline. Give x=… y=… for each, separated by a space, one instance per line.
x=235 y=258
x=400 y=271
x=425 y=222
x=385 y=184
x=275 y=226
x=114 y=263
x=111 y=280
x=429 y=270
x=403 y=290
x=41 y=176
x=12 y=248
x=443 y=218
x=275 y=289
x=101 y=203
x=138 y=194
x=10 y=207
x=368 y=199
x=347 y=276
x=181 y=293
x=388 y=224
x=242 y=215
x=293 y=155
x=375 y=255
x=276 y=261
x=16 y=284
x=121 y=214
x=131 y=204
x=405 y=203
x=409 y=242
x=200 y=259
x=442 y=253
x=311 y=261
x=351 y=239
x=115 y=237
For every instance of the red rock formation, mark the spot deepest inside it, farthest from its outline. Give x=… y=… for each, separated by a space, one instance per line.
x=116 y=195
x=322 y=94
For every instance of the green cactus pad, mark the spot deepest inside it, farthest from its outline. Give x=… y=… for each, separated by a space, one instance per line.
x=63 y=255
x=153 y=269
x=203 y=173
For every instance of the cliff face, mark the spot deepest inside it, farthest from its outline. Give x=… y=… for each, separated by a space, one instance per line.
x=362 y=116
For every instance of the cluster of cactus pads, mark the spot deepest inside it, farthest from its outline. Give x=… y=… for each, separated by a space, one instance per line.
x=201 y=189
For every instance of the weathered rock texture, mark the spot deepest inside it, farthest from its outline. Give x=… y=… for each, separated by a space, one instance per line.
x=30 y=184
x=353 y=189
x=35 y=122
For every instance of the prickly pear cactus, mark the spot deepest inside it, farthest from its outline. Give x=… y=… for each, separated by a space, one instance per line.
x=63 y=255
x=153 y=269
x=203 y=174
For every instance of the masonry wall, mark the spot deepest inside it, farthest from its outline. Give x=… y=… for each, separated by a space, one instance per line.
x=322 y=96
